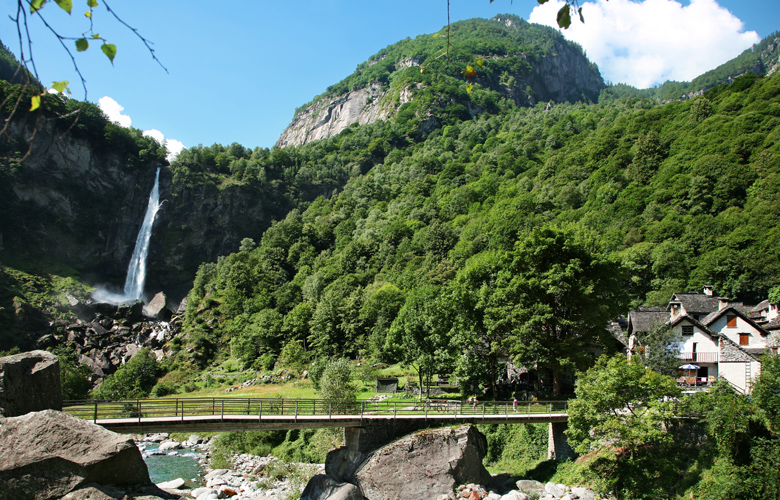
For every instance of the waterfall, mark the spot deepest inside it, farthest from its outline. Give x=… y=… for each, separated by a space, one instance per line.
x=136 y=271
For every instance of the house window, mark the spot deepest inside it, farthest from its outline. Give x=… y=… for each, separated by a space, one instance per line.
x=744 y=338
x=687 y=330
x=731 y=320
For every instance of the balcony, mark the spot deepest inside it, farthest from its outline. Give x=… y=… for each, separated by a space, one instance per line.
x=698 y=357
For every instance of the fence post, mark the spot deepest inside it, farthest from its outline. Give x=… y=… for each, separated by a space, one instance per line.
x=296 y=410
x=96 y=411
x=138 y=401
x=222 y=410
x=395 y=410
x=182 y=410
x=260 y=413
x=330 y=410
x=483 y=409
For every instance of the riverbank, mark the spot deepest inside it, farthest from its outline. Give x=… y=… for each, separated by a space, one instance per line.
x=250 y=478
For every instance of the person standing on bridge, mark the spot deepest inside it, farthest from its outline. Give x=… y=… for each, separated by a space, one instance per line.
x=514 y=404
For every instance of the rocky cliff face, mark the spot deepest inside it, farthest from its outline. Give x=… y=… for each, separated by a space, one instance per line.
x=74 y=204
x=70 y=202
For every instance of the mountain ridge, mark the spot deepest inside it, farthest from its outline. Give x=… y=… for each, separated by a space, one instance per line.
x=507 y=68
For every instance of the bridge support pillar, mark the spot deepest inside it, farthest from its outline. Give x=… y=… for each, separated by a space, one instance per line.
x=557 y=446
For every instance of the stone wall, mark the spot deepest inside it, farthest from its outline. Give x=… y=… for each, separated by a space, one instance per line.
x=29 y=381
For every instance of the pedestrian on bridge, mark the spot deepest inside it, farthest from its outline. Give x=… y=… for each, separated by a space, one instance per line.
x=514 y=404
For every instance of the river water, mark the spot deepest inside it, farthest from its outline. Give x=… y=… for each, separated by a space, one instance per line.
x=182 y=463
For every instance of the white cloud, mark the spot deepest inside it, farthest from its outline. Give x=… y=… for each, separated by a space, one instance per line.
x=647 y=43
x=113 y=111
x=173 y=146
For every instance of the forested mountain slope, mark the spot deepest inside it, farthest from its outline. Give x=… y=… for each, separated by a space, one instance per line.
x=514 y=63
x=676 y=195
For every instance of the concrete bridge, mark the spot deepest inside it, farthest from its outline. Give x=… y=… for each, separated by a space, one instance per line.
x=367 y=423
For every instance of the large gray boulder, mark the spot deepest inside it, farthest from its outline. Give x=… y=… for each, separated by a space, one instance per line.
x=324 y=487
x=29 y=381
x=47 y=454
x=156 y=308
x=425 y=464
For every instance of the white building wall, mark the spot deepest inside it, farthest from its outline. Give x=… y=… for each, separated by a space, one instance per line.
x=736 y=373
x=732 y=332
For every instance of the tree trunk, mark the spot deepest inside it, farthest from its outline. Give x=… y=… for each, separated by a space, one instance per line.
x=493 y=387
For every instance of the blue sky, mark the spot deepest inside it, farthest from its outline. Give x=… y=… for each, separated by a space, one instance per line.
x=237 y=70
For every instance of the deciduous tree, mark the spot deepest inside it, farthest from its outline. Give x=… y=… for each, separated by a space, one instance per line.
x=566 y=291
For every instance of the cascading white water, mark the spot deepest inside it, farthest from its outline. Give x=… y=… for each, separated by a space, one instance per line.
x=136 y=271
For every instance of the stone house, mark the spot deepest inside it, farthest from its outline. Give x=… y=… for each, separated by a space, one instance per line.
x=719 y=337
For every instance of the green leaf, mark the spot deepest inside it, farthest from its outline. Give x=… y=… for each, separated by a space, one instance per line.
x=564 y=18
x=88 y=14
x=82 y=44
x=91 y=4
x=95 y=36
x=109 y=49
x=480 y=62
x=582 y=19
x=36 y=5
x=542 y=1
x=469 y=87
x=60 y=86
x=66 y=5
x=35 y=102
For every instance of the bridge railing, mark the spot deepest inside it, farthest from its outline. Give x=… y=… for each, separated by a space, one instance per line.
x=270 y=407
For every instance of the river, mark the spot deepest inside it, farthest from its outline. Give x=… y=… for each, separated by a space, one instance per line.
x=181 y=463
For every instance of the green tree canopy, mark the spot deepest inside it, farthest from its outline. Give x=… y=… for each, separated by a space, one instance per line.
x=420 y=335
x=566 y=291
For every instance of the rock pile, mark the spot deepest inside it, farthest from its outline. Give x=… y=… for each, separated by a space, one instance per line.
x=524 y=490
x=251 y=478
x=105 y=336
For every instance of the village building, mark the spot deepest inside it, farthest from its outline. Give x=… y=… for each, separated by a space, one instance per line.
x=718 y=338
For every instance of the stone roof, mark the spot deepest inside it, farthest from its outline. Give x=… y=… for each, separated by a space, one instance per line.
x=773 y=325
x=763 y=306
x=730 y=352
x=696 y=303
x=645 y=321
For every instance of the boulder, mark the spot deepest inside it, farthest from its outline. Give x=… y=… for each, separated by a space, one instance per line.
x=29 y=381
x=556 y=490
x=173 y=484
x=156 y=308
x=530 y=486
x=47 y=454
x=425 y=464
x=169 y=445
x=584 y=493
x=516 y=495
x=103 y=492
x=322 y=487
